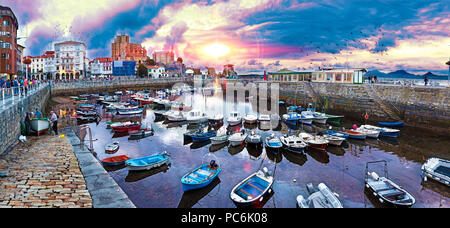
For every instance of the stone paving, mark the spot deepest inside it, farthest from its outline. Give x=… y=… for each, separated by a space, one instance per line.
x=43 y=172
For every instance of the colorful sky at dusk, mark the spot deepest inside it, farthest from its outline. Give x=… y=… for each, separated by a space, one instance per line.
x=260 y=34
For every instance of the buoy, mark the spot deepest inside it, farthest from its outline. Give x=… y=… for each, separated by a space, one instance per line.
x=295 y=180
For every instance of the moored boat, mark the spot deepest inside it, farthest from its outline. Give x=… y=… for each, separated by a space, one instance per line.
x=264 y=118
x=215 y=119
x=387 y=132
x=370 y=133
x=254 y=138
x=200 y=177
x=355 y=135
x=334 y=140
x=437 y=169
x=385 y=189
x=115 y=161
x=112 y=147
x=338 y=134
x=149 y=162
x=176 y=117
x=130 y=111
x=234 y=119
x=238 y=138
x=391 y=124
x=200 y=137
x=293 y=143
x=314 y=141
x=252 y=189
x=273 y=142
x=141 y=133
x=320 y=197
x=126 y=127
x=196 y=116
x=250 y=119
x=291 y=118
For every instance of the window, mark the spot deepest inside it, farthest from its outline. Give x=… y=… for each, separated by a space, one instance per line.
x=6 y=23
x=5 y=55
x=338 y=77
x=329 y=76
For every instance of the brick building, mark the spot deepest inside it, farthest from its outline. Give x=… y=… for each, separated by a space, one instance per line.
x=123 y=50
x=8 y=42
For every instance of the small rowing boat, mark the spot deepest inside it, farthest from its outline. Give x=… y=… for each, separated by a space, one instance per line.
x=115 y=161
x=149 y=162
x=355 y=134
x=391 y=124
x=252 y=189
x=320 y=197
x=200 y=177
x=40 y=125
x=314 y=141
x=293 y=143
x=112 y=148
x=437 y=169
x=386 y=190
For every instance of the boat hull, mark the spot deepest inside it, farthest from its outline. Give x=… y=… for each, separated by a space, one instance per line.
x=322 y=147
x=194 y=186
x=159 y=161
x=392 y=124
x=40 y=126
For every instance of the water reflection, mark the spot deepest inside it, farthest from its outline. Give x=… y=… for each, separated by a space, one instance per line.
x=136 y=176
x=191 y=198
x=343 y=169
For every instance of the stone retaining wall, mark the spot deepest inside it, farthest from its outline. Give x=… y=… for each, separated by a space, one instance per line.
x=14 y=113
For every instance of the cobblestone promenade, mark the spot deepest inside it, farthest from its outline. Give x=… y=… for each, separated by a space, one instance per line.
x=43 y=172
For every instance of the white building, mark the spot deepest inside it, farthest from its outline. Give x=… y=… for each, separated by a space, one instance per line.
x=43 y=67
x=157 y=72
x=101 y=67
x=71 y=60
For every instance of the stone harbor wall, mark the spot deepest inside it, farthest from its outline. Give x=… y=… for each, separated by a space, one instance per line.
x=422 y=107
x=13 y=113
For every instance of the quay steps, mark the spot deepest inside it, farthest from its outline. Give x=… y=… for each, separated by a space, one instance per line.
x=379 y=101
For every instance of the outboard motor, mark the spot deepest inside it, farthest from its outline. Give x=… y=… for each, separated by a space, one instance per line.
x=213 y=164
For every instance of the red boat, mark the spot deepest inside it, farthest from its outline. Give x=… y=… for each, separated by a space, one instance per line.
x=126 y=128
x=355 y=134
x=117 y=160
x=145 y=102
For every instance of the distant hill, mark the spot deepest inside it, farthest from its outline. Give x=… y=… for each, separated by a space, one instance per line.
x=404 y=74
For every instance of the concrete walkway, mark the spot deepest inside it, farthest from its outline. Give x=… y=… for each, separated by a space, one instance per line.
x=105 y=192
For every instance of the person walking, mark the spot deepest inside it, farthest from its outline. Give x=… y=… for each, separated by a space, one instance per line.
x=54 y=120
x=426 y=80
x=2 y=86
x=16 y=87
x=8 y=86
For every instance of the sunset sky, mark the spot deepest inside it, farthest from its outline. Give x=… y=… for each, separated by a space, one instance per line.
x=255 y=35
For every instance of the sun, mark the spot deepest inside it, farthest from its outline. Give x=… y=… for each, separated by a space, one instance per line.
x=216 y=50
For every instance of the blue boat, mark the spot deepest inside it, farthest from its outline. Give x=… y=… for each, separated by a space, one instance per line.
x=199 y=137
x=391 y=124
x=201 y=176
x=149 y=162
x=250 y=191
x=338 y=134
x=291 y=118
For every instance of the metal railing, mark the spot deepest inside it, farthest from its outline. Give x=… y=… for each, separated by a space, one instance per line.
x=16 y=93
x=111 y=83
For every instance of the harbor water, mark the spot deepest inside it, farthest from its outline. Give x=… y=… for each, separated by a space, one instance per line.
x=341 y=168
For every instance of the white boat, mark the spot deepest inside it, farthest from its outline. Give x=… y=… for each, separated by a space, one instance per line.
x=322 y=197
x=313 y=141
x=254 y=138
x=217 y=118
x=273 y=142
x=112 y=147
x=370 y=133
x=221 y=137
x=307 y=118
x=238 y=138
x=177 y=116
x=234 y=119
x=293 y=143
x=196 y=116
x=130 y=111
x=250 y=119
x=386 y=190
x=40 y=125
x=264 y=118
x=437 y=169
x=121 y=124
x=320 y=118
x=253 y=189
x=384 y=131
x=334 y=140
